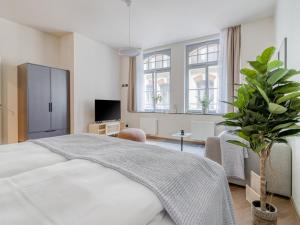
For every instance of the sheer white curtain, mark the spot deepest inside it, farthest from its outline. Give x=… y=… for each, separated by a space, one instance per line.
x=140 y=92
x=223 y=68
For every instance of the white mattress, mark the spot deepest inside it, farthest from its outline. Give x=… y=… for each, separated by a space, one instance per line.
x=38 y=187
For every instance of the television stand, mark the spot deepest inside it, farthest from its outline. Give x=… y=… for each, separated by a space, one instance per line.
x=109 y=128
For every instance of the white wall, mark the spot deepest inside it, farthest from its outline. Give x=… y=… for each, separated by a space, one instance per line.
x=96 y=76
x=256 y=36
x=94 y=70
x=252 y=45
x=67 y=62
x=287 y=25
x=20 y=44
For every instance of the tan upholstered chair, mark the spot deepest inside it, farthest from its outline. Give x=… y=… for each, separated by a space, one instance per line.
x=279 y=174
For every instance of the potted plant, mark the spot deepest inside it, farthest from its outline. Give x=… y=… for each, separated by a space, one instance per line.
x=268 y=107
x=205 y=102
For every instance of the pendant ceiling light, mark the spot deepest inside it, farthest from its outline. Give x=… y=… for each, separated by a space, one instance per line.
x=129 y=51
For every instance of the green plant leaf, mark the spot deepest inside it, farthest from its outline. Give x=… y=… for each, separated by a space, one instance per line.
x=260 y=147
x=252 y=128
x=287 y=133
x=257 y=116
x=242 y=135
x=295 y=104
x=290 y=74
x=276 y=109
x=288 y=97
x=228 y=123
x=282 y=126
x=234 y=142
x=276 y=76
x=274 y=64
x=267 y=54
x=249 y=73
x=294 y=127
x=259 y=67
x=263 y=94
x=281 y=140
x=287 y=88
x=232 y=115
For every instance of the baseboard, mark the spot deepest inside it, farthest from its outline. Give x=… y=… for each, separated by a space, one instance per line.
x=296 y=209
x=174 y=139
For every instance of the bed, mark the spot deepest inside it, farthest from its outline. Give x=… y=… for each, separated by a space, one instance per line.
x=94 y=180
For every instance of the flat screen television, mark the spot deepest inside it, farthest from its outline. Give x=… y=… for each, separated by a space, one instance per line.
x=107 y=110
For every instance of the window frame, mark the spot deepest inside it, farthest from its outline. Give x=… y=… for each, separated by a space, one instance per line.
x=154 y=73
x=189 y=48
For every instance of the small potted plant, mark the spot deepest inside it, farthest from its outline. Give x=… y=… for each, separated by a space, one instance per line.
x=268 y=107
x=205 y=102
x=157 y=99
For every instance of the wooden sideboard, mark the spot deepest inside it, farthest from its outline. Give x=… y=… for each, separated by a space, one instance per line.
x=106 y=128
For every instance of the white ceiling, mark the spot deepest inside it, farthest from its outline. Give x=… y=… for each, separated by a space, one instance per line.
x=155 y=22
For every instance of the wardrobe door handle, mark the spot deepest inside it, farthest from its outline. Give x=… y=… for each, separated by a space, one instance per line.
x=49 y=106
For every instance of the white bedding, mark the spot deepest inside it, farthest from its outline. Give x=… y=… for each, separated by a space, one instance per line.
x=46 y=189
x=25 y=156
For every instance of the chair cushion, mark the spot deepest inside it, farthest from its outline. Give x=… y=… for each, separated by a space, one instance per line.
x=133 y=134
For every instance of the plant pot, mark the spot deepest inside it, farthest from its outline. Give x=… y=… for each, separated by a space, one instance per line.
x=259 y=217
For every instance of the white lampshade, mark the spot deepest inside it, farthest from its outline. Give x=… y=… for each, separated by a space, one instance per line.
x=130 y=52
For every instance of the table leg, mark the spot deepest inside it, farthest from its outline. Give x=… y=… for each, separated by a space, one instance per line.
x=181 y=143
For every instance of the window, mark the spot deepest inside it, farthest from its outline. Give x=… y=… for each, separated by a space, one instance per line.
x=156 y=81
x=202 y=77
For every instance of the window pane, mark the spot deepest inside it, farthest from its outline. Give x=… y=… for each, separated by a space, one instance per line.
x=148 y=101
x=213 y=48
x=202 y=58
x=162 y=99
x=166 y=64
x=213 y=98
x=152 y=62
x=151 y=66
x=148 y=87
x=194 y=52
x=152 y=59
x=193 y=60
x=197 y=78
x=145 y=66
x=148 y=82
x=159 y=57
x=212 y=57
x=202 y=50
x=166 y=57
x=213 y=77
x=158 y=65
x=195 y=97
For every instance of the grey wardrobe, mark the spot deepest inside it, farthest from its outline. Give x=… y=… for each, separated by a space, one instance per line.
x=43 y=101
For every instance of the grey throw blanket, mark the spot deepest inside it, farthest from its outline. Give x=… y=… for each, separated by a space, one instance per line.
x=193 y=190
x=233 y=156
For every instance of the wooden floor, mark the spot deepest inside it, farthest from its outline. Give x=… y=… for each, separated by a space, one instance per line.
x=287 y=213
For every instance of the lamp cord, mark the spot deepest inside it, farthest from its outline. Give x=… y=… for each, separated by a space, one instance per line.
x=129 y=30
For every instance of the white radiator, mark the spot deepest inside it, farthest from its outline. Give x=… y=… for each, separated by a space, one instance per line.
x=149 y=125
x=201 y=130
